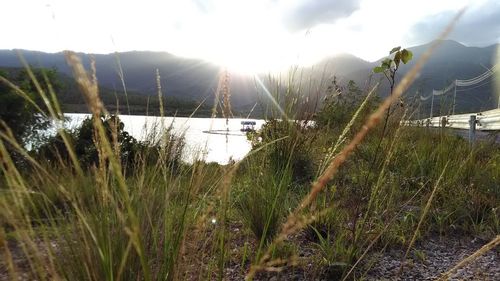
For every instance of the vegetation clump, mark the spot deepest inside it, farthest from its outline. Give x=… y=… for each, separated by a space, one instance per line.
x=97 y=204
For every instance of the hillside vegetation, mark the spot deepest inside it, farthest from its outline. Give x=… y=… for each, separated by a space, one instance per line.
x=194 y=79
x=115 y=100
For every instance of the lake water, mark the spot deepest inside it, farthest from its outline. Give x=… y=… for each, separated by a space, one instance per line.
x=206 y=139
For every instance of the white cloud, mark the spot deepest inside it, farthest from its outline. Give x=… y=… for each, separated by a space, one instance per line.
x=480 y=26
x=251 y=34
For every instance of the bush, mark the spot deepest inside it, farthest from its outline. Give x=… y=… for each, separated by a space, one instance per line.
x=261 y=200
x=287 y=145
x=340 y=104
x=86 y=149
x=167 y=146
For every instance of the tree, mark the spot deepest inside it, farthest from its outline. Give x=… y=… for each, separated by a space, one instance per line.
x=21 y=116
x=340 y=104
x=389 y=67
x=85 y=148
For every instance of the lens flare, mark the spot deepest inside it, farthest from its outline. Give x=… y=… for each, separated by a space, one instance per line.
x=270 y=96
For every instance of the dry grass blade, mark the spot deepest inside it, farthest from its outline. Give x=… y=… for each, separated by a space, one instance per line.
x=278 y=265
x=291 y=225
x=388 y=159
x=347 y=128
x=7 y=256
x=87 y=85
x=23 y=94
x=52 y=106
x=491 y=245
x=422 y=217
x=37 y=85
x=376 y=117
x=160 y=94
x=122 y=79
x=379 y=235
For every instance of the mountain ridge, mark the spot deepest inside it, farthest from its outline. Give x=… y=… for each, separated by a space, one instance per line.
x=195 y=79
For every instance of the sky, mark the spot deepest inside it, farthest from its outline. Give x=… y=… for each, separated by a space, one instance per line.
x=252 y=35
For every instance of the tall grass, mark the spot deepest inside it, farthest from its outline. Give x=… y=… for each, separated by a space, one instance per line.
x=157 y=218
x=98 y=224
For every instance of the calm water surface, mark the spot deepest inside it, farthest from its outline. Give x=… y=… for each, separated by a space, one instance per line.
x=219 y=146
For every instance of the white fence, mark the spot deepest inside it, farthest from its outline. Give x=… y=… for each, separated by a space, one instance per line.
x=483 y=121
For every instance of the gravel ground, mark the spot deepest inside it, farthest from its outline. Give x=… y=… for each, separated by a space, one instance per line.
x=434 y=256
x=426 y=261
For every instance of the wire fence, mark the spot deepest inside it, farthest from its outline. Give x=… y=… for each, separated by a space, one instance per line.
x=484 y=121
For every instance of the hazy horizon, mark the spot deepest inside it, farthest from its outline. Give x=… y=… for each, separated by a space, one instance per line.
x=247 y=36
x=180 y=56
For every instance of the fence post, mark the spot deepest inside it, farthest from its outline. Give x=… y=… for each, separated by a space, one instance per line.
x=454 y=96
x=472 y=128
x=443 y=122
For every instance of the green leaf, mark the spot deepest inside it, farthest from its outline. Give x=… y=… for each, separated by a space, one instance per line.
x=379 y=69
x=397 y=58
x=386 y=63
x=406 y=56
x=395 y=49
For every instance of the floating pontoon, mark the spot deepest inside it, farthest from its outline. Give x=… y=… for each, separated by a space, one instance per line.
x=248 y=126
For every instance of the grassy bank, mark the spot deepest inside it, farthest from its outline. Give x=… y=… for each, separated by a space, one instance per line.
x=148 y=216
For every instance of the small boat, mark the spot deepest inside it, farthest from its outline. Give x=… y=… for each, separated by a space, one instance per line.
x=248 y=126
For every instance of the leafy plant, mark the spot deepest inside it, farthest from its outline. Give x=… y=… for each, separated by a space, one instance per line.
x=287 y=146
x=340 y=104
x=389 y=67
x=336 y=255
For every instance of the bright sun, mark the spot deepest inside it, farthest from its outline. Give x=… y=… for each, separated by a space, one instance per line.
x=251 y=57
x=242 y=43
x=248 y=53
x=248 y=46
x=243 y=36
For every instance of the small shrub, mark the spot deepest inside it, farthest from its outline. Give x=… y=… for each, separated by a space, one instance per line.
x=261 y=201
x=287 y=145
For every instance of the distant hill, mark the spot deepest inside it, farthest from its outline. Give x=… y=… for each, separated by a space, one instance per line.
x=450 y=61
x=185 y=78
x=342 y=64
x=71 y=99
x=196 y=80
x=182 y=78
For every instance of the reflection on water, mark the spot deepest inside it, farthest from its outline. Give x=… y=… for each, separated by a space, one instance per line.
x=217 y=144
